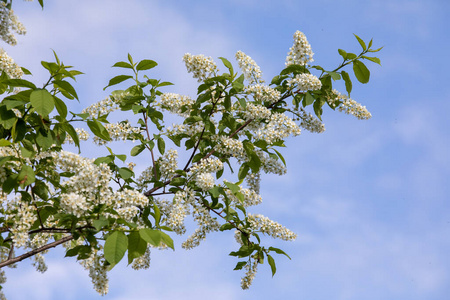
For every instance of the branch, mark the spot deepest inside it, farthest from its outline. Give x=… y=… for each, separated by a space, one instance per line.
x=35 y=251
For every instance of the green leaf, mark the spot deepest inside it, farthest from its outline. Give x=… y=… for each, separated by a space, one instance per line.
x=116 y=80
x=62 y=84
x=278 y=251
x=233 y=187
x=42 y=101
x=227 y=64
x=166 y=239
x=60 y=107
x=373 y=59
x=342 y=53
x=146 y=64
x=136 y=246
x=243 y=171
x=115 y=247
x=334 y=75
x=238 y=84
x=4 y=142
x=72 y=132
x=100 y=223
x=308 y=100
x=26 y=176
x=376 y=50
x=361 y=71
x=240 y=265
x=125 y=173
x=348 y=82
x=280 y=156
x=122 y=64
x=361 y=42
x=161 y=145
x=19 y=83
x=137 y=149
x=7 y=117
x=271 y=262
x=98 y=129
x=151 y=236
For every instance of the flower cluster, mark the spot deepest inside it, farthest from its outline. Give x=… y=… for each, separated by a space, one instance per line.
x=271 y=165
x=251 y=197
x=300 y=53
x=201 y=66
x=349 y=106
x=75 y=204
x=9 y=22
x=230 y=146
x=8 y=65
x=168 y=163
x=310 y=123
x=83 y=135
x=205 y=181
x=177 y=211
x=263 y=93
x=305 y=82
x=105 y=106
x=175 y=103
x=280 y=126
x=24 y=218
x=251 y=70
x=119 y=131
x=142 y=262
x=208 y=165
x=253 y=111
x=269 y=227
x=206 y=225
x=247 y=280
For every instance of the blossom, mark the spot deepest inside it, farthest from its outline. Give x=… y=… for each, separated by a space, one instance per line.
x=310 y=123
x=300 y=53
x=251 y=70
x=8 y=65
x=177 y=104
x=269 y=227
x=305 y=82
x=168 y=163
x=263 y=93
x=119 y=131
x=349 y=106
x=201 y=66
x=8 y=23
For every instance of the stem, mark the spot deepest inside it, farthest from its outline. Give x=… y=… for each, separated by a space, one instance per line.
x=11 y=261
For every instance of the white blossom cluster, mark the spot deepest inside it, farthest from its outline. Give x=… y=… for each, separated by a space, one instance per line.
x=280 y=126
x=300 y=53
x=24 y=218
x=176 y=212
x=350 y=106
x=269 y=227
x=251 y=198
x=127 y=203
x=188 y=129
x=97 y=271
x=310 y=123
x=9 y=23
x=119 y=132
x=253 y=181
x=168 y=163
x=75 y=204
x=206 y=225
x=271 y=165
x=144 y=178
x=39 y=262
x=201 y=66
x=305 y=82
x=8 y=65
x=142 y=262
x=175 y=102
x=205 y=181
x=257 y=112
x=247 y=280
x=105 y=106
x=230 y=146
x=263 y=93
x=251 y=70
x=208 y=165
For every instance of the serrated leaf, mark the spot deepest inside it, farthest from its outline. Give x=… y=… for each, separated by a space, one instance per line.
x=240 y=265
x=161 y=145
x=19 y=83
x=243 y=171
x=42 y=101
x=115 y=247
x=278 y=251
x=146 y=64
x=308 y=100
x=166 y=239
x=342 y=53
x=67 y=87
x=227 y=64
x=233 y=187
x=361 y=71
x=100 y=223
x=98 y=129
x=125 y=173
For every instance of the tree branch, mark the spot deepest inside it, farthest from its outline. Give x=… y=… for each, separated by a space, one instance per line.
x=11 y=261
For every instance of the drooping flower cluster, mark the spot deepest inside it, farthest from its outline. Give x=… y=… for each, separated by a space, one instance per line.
x=230 y=146
x=247 y=280
x=8 y=65
x=83 y=135
x=201 y=66
x=9 y=23
x=24 y=218
x=269 y=227
x=205 y=181
x=75 y=204
x=251 y=70
x=253 y=111
x=206 y=224
x=310 y=123
x=300 y=53
x=305 y=82
x=350 y=106
x=208 y=165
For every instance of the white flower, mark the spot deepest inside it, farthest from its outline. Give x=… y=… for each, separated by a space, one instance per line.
x=269 y=227
x=300 y=53
x=201 y=66
x=305 y=82
x=251 y=70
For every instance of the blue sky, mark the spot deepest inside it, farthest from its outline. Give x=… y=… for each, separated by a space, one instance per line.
x=368 y=199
